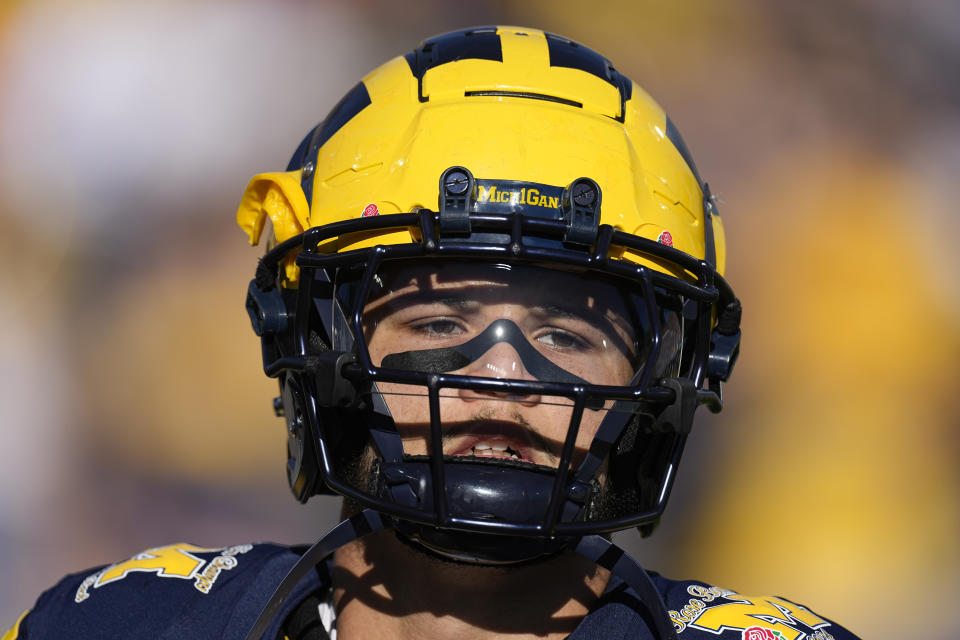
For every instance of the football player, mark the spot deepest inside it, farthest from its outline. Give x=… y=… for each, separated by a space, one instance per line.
x=493 y=298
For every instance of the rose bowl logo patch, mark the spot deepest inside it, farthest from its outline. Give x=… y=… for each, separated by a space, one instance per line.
x=761 y=633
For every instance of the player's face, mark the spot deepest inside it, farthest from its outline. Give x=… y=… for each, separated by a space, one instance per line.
x=500 y=322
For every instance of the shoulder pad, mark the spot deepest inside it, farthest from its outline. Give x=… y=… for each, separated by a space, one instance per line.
x=699 y=610
x=177 y=591
x=703 y=612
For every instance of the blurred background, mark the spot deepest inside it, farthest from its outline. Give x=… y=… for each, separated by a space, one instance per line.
x=133 y=410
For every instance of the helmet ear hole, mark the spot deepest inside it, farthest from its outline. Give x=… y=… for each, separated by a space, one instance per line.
x=302 y=465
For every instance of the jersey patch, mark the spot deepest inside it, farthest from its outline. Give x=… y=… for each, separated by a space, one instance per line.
x=172 y=561
x=718 y=610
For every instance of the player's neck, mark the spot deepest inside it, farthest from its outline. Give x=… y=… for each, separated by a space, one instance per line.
x=385 y=589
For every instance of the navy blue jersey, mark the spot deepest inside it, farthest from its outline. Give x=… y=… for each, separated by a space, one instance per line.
x=184 y=592
x=178 y=592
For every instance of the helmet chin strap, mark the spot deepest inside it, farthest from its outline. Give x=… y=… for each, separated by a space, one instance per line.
x=353 y=528
x=593 y=547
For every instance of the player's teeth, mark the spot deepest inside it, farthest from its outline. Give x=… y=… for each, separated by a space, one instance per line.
x=494 y=447
x=492 y=451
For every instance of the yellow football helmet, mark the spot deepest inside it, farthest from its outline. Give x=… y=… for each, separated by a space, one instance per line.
x=514 y=171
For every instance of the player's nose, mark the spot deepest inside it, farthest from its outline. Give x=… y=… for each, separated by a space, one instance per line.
x=500 y=362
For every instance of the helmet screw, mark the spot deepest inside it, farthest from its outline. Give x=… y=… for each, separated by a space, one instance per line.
x=583 y=194
x=456 y=183
x=308 y=169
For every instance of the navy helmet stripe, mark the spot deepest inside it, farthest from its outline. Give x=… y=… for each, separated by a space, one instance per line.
x=478 y=44
x=709 y=208
x=356 y=100
x=674 y=136
x=481 y=44
x=411 y=59
x=299 y=156
x=572 y=55
x=567 y=53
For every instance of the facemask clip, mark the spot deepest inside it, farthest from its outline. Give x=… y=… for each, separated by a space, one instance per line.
x=457 y=193
x=581 y=211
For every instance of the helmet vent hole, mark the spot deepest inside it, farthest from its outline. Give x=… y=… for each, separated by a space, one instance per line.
x=524 y=94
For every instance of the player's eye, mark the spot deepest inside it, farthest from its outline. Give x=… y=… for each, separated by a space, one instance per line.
x=562 y=340
x=438 y=327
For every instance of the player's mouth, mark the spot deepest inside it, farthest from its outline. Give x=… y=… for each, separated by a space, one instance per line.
x=498 y=448
x=501 y=440
x=495 y=450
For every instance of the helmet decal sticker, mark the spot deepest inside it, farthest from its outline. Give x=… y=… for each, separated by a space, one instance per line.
x=370 y=210
x=510 y=196
x=666 y=238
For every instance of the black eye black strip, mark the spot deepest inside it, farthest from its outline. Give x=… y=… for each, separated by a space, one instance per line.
x=453 y=358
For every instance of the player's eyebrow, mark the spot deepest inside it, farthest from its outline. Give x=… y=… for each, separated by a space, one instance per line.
x=430 y=296
x=586 y=314
x=592 y=316
x=457 y=302
x=394 y=302
x=566 y=312
x=589 y=316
